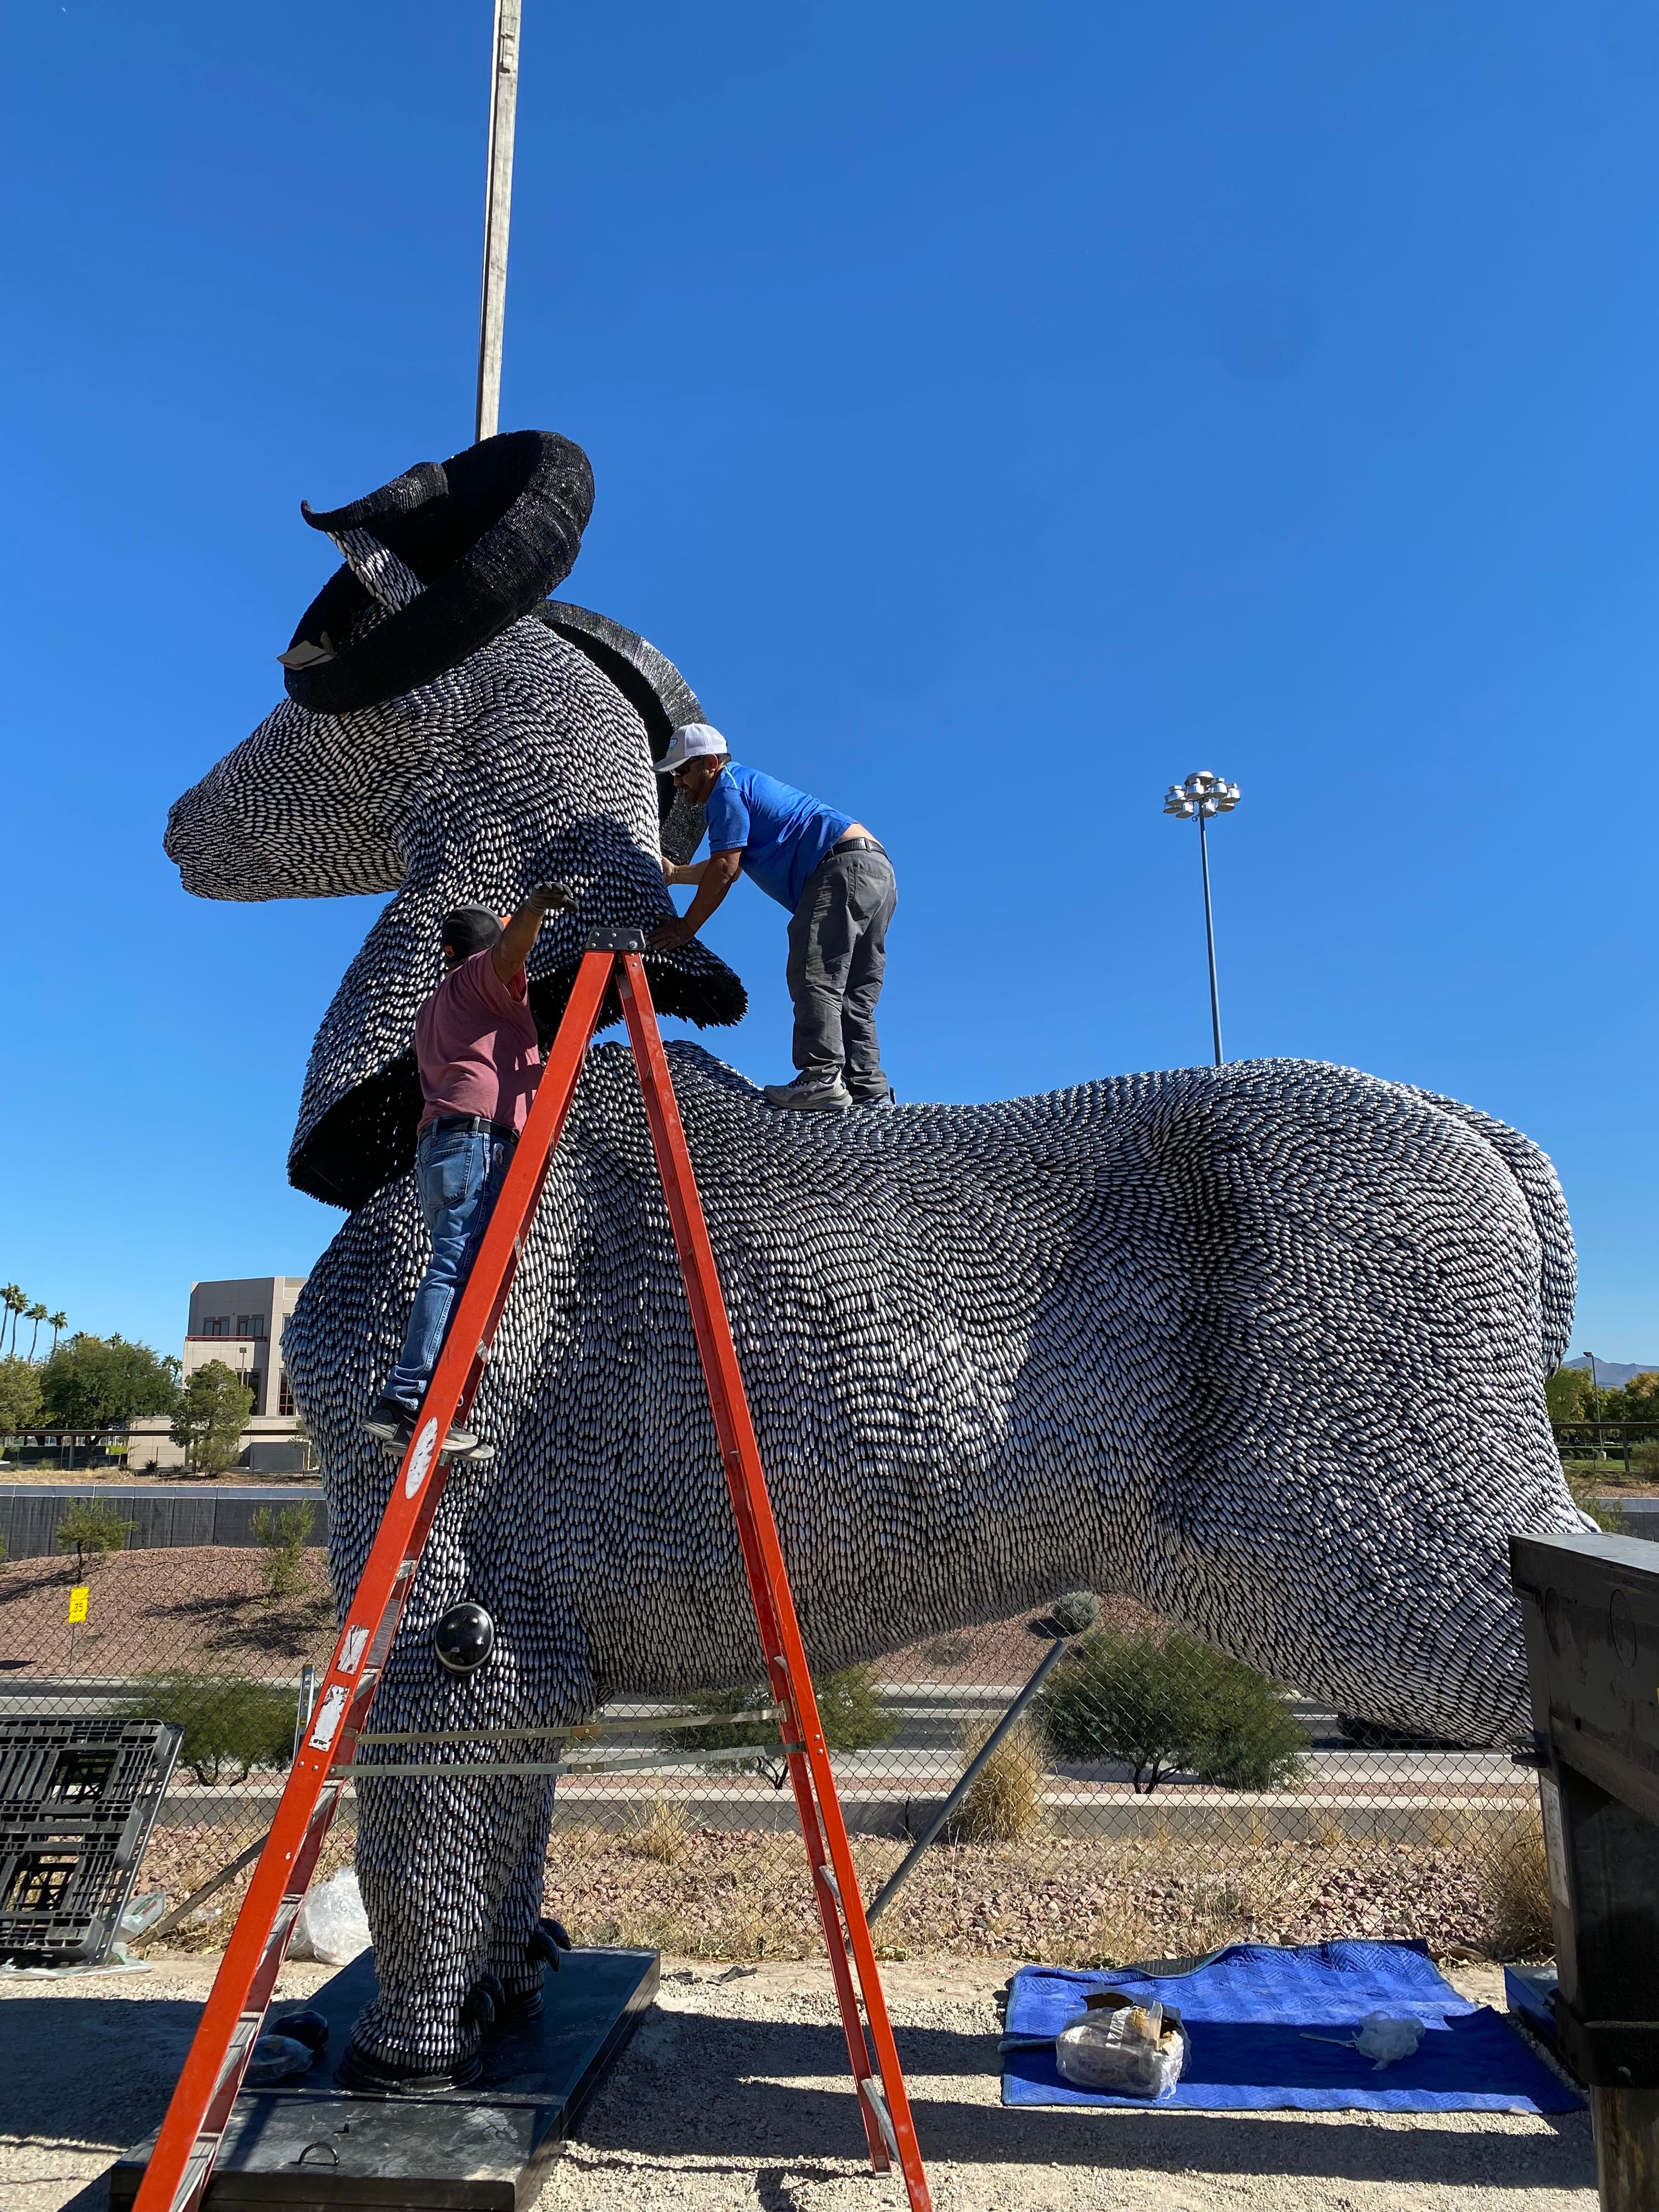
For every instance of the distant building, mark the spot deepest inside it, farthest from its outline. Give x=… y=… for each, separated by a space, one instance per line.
x=240 y=1322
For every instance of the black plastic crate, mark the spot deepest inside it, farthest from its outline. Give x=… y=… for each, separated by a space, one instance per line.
x=78 y=1798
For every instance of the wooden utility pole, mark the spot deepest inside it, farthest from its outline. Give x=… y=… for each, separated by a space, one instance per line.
x=498 y=210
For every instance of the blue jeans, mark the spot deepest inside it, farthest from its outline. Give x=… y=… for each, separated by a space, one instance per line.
x=459 y=1174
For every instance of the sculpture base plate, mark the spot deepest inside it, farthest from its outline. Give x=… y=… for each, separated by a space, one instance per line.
x=484 y=2149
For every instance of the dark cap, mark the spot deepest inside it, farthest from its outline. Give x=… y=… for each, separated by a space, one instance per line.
x=471 y=929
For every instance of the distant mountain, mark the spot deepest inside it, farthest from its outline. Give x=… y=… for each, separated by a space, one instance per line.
x=1613 y=1374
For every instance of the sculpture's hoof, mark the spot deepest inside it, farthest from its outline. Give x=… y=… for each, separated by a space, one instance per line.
x=383 y=2077
x=486 y=2002
x=520 y=2011
x=547 y=1940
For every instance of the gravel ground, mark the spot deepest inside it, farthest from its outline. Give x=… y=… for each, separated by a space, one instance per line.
x=203 y=1607
x=733 y=2094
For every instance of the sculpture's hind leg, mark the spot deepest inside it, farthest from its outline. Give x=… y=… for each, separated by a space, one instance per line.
x=509 y=1954
x=436 y=1861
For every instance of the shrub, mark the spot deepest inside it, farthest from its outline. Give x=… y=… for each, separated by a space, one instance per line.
x=1004 y=1804
x=1167 y=1704
x=662 y=1835
x=232 y=1725
x=282 y=1538
x=852 y=1716
x=1607 y=1516
x=91 y=1524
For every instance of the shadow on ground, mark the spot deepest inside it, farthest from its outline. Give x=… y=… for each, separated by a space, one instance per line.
x=705 y=2087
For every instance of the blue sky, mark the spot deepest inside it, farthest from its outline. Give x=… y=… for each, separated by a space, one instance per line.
x=996 y=411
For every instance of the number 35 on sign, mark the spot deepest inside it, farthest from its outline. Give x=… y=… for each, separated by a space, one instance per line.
x=78 y=1601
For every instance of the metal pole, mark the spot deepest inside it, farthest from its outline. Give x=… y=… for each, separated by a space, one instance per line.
x=1209 y=934
x=906 y=1867
x=306 y=1701
x=498 y=210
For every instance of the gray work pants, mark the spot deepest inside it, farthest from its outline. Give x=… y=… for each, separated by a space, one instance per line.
x=837 y=957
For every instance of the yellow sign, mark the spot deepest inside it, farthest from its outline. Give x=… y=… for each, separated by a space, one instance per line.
x=78 y=1597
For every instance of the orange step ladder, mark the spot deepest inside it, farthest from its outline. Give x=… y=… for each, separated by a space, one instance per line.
x=182 y=2162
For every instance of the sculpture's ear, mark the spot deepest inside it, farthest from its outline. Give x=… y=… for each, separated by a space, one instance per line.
x=656 y=690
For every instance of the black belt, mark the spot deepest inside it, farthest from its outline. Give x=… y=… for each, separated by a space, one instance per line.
x=858 y=845
x=474 y=1121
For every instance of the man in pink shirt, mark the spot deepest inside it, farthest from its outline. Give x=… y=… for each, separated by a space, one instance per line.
x=480 y=1061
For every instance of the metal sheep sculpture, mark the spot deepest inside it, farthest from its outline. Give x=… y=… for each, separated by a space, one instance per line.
x=1263 y=1346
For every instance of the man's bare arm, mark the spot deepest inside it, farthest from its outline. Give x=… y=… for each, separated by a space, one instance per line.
x=683 y=871
x=716 y=876
x=508 y=956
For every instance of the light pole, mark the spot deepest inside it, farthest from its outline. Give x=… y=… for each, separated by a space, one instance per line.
x=1204 y=794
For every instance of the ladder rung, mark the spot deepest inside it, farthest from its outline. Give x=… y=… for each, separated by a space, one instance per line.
x=196 y=2169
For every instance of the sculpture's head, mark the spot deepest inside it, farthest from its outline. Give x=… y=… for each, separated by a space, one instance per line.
x=451 y=735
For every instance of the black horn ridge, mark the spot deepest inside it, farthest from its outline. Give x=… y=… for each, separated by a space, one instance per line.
x=414 y=488
x=489 y=533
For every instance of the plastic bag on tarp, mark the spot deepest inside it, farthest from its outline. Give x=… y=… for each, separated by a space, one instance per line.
x=1382 y=2038
x=332 y=1925
x=1133 y=2050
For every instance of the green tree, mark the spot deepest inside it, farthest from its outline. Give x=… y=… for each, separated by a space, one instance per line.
x=19 y=1394
x=282 y=1537
x=1167 y=1704
x=232 y=1725
x=17 y=1301
x=1638 y=1401
x=36 y=1314
x=852 y=1715
x=99 y=1382
x=57 y=1323
x=91 y=1524
x=1569 y=1394
x=211 y=1413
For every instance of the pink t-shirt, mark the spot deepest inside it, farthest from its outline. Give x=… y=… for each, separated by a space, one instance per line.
x=475 y=1045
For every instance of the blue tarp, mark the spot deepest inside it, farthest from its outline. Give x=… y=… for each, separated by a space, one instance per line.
x=1248 y=2012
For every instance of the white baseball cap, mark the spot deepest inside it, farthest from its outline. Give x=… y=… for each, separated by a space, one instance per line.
x=691 y=741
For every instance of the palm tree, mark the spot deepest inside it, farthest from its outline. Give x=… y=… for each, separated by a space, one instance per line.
x=37 y=1314
x=16 y=1302
x=54 y=1323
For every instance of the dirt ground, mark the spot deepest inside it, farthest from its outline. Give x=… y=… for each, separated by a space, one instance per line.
x=733 y=2094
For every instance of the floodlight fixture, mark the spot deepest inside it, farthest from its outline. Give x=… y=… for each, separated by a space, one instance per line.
x=1203 y=794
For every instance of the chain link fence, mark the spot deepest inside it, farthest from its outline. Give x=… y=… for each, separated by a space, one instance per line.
x=1152 y=1798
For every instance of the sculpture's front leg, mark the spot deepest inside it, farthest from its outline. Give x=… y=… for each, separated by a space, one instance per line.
x=443 y=1866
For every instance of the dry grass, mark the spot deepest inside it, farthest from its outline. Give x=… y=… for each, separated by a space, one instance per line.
x=1005 y=1805
x=1066 y=1901
x=662 y=1836
x=1515 y=1890
x=712 y=1893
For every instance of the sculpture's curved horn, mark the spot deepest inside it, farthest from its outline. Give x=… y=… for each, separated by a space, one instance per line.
x=506 y=528
x=425 y=481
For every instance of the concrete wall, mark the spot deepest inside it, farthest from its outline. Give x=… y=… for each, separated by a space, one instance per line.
x=163 y=1515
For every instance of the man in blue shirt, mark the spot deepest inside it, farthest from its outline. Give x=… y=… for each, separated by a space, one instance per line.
x=837 y=883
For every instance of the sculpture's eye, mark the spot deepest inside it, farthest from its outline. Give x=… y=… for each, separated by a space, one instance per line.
x=463 y=1639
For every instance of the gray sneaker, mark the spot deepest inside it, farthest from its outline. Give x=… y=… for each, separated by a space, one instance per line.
x=880 y=1098
x=809 y=1094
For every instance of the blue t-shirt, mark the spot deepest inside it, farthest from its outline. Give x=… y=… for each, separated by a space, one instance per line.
x=782 y=833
